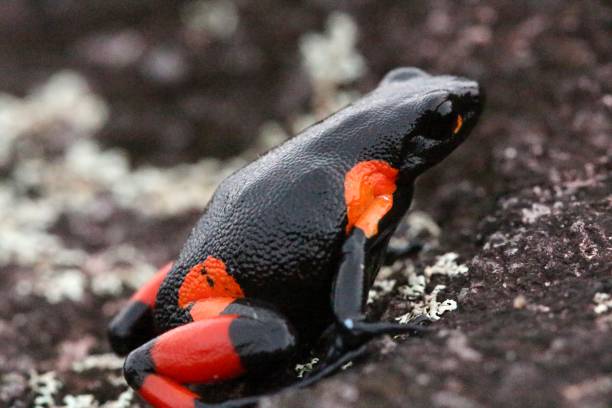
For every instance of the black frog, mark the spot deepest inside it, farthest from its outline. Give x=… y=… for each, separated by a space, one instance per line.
x=288 y=247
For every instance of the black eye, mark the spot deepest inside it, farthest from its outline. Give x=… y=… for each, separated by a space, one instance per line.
x=445 y=122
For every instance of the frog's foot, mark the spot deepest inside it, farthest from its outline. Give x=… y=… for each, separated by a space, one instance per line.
x=358 y=331
x=133 y=326
x=228 y=338
x=346 y=345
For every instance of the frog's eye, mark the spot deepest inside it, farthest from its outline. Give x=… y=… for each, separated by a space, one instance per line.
x=457 y=124
x=444 y=122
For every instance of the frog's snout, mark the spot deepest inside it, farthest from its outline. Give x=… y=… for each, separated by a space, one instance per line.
x=470 y=101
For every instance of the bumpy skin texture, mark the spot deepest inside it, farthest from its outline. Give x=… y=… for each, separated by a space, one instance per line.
x=279 y=223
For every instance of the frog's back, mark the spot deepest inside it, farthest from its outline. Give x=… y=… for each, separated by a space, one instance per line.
x=276 y=225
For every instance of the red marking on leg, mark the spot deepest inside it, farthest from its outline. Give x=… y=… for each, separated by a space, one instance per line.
x=368 y=193
x=162 y=392
x=211 y=307
x=206 y=280
x=198 y=352
x=148 y=292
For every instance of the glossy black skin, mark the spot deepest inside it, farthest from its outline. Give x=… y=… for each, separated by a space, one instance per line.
x=279 y=223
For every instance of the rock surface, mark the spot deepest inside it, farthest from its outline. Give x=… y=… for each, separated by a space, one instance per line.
x=526 y=203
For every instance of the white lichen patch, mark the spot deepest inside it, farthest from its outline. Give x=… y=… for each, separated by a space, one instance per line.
x=530 y=215
x=446 y=265
x=75 y=180
x=86 y=172
x=107 y=361
x=427 y=304
x=80 y=401
x=65 y=285
x=380 y=288
x=419 y=223
x=417 y=283
x=64 y=100
x=118 y=267
x=219 y=18
x=23 y=224
x=302 y=369
x=106 y=284
x=603 y=303
x=45 y=386
x=74 y=183
x=430 y=306
x=332 y=57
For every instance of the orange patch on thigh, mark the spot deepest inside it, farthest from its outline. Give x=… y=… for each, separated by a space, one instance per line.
x=208 y=279
x=368 y=194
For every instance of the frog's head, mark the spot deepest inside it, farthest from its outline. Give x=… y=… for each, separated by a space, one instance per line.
x=435 y=115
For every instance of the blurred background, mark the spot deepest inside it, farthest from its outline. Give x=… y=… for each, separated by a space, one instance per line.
x=119 y=118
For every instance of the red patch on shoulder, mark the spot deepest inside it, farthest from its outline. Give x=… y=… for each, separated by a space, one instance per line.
x=368 y=194
x=208 y=279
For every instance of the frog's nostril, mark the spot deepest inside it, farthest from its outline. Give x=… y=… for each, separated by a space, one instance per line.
x=474 y=98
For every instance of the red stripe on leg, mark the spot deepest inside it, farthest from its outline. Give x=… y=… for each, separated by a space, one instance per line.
x=164 y=393
x=198 y=352
x=207 y=308
x=147 y=293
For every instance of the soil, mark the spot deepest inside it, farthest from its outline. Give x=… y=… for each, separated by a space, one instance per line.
x=526 y=202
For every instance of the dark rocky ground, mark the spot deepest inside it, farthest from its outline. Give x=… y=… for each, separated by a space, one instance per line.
x=526 y=202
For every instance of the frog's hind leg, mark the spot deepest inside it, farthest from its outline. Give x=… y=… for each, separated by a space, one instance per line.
x=133 y=325
x=228 y=338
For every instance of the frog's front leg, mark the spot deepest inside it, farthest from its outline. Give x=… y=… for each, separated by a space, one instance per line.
x=227 y=338
x=133 y=325
x=349 y=294
x=348 y=335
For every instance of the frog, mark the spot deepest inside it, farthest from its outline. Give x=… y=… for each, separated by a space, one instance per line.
x=287 y=248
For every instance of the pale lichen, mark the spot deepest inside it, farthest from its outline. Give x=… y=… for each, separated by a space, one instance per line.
x=106 y=361
x=302 y=369
x=219 y=18
x=65 y=99
x=380 y=288
x=332 y=60
x=429 y=306
x=446 y=265
x=603 y=303
x=80 y=401
x=45 y=387
x=64 y=285
x=530 y=215
x=419 y=223
x=332 y=57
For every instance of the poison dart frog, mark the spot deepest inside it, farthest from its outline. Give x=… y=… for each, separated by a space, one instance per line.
x=288 y=247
